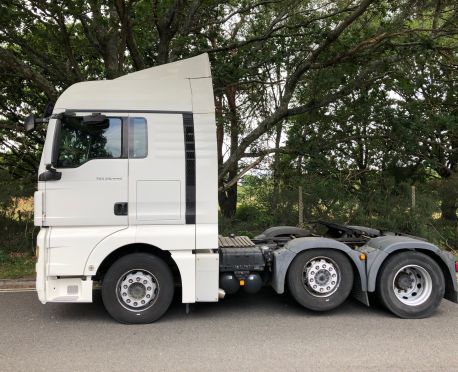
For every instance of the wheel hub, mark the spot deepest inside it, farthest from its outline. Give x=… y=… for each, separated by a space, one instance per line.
x=137 y=289
x=321 y=276
x=412 y=285
x=404 y=281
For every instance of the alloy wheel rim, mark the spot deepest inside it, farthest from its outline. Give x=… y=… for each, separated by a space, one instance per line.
x=137 y=290
x=321 y=276
x=412 y=285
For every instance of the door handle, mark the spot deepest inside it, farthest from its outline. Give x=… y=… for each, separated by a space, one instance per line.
x=120 y=209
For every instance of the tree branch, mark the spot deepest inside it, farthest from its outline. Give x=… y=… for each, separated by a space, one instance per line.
x=234 y=180
x=124 y=14
x=290 y=87
x=9 y=60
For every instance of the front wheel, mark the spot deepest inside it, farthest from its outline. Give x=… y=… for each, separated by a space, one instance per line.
x=411 y=285
x=320 y=279
x=138 y=288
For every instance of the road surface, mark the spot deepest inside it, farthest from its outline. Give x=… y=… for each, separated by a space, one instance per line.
x=242 y=333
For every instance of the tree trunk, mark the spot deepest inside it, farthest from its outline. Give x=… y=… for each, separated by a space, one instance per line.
x=449 y=196
x=276 y=170
x=163 y=49
x=228 y=197
x=228 y=202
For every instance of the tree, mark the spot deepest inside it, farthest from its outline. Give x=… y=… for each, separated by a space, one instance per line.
x=272 y=61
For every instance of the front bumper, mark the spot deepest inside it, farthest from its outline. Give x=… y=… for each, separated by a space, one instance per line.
x=58 y=289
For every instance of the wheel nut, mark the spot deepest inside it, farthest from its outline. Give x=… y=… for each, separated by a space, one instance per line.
x=128 y=301
x=148 y=288
x=135 y=304
x=124 y=294
x=314 y=287
x=125 y=286
x=138 y=279
x=312 y=273
x=148 y=296
x=143 y=302
x=333 y=282
x=328 y=288
x=144 y=282
x=130 y=281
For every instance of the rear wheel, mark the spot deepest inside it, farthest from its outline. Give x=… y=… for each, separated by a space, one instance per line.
x=411 y=285
x=138 y=288
x=320 y=279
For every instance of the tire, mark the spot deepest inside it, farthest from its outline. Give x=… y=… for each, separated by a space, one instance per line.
x=301 y=278
x=410 y=285
x=135 y=278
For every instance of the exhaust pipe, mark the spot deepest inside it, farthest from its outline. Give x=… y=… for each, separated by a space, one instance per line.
x=221 y=294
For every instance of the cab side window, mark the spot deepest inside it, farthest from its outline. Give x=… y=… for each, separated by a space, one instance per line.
x=80 y=142
x=138 y=138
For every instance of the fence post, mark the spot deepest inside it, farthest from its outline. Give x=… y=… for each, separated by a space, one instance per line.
x=413 y=197
x=301 y=208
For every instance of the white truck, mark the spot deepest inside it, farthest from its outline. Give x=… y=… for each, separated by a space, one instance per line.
x=127 y=196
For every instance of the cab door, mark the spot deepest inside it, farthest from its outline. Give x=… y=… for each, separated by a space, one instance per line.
x=92 y=163
x=157 y=177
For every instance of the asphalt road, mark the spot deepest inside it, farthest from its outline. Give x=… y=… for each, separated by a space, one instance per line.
x=256 y=333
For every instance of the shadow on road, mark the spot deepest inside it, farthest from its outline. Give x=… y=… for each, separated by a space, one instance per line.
x=264 y=304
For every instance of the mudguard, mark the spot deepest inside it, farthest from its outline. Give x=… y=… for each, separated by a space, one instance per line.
x=284 y=256
x=282 y=231
x=378 y=249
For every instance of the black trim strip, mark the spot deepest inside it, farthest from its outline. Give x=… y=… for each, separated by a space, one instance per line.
x=205 y=250
x=125 y=143
x=131 y=111
x=190 y=166
x=56 y=144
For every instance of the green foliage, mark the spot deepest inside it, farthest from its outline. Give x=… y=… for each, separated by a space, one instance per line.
x=384 y=205
x=17 y=267
x=354 y=109
x=16 y=226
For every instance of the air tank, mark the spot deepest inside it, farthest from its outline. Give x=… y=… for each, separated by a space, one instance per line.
x=253 y=283
x=229 y=283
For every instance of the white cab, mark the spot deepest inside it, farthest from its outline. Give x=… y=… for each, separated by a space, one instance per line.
x=147 y=176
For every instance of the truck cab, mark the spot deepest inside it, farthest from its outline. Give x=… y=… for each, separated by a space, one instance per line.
x=127 y=196
x=130 y=162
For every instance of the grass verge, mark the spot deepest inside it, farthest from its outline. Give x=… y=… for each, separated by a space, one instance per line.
x=17 y=267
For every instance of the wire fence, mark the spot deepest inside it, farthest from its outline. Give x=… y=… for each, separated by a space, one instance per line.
x=411 y=209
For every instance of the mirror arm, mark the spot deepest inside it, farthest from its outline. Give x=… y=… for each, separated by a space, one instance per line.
x=49 y=167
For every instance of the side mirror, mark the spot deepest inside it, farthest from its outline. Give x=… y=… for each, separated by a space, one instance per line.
x=29 y=124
